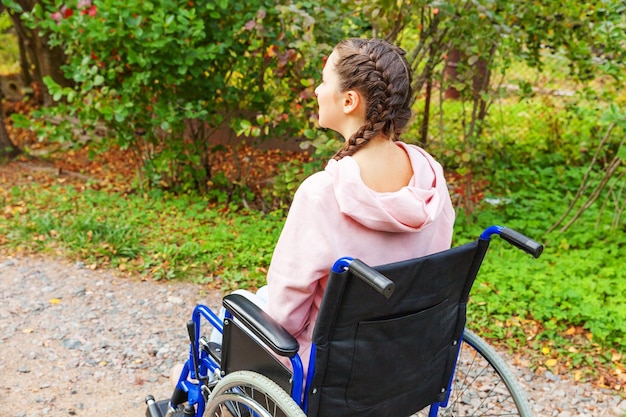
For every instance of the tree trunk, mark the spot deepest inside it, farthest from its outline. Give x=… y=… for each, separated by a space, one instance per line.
x=44 y=60
x=7 y=149
x=450 y=74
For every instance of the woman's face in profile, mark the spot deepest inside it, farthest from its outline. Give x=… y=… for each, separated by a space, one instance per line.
x=329 y=97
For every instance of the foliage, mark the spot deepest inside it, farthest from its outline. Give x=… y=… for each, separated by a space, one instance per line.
x=608 y=163
x=168 y=79
x=465 y=50
x=543 y=130
x=5 y=22
x=589 y=35
x=9 y=53
x=566 y=307
x=157 y=235
x=294 y=172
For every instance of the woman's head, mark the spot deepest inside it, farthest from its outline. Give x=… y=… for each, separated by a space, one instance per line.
x=380 y=74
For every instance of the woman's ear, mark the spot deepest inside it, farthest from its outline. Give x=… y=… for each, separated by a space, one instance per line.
x=351 y=101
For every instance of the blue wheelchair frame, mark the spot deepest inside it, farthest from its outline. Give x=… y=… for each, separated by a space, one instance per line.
x=201 y=365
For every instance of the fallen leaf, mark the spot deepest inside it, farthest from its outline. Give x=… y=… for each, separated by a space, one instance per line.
x=551 y=363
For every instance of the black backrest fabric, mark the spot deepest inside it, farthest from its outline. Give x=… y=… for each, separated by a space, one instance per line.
x=392 y=357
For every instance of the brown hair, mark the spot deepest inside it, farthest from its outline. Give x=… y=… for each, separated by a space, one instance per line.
x=379 y=71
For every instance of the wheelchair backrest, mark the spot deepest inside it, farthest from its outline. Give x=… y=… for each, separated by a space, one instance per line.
x=392 y=357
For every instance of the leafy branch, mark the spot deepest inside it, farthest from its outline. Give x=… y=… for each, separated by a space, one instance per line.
x=610 y=171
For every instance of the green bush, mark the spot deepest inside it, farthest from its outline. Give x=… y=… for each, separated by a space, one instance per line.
x=292 y=174
x=167 y=78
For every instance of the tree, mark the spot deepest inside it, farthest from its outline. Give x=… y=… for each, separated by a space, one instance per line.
x=489 y=33
x=38 y=58
x=7 y=148
x=166 y=77
x=483 y=38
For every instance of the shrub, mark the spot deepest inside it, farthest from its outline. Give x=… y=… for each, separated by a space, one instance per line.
x=167 y=77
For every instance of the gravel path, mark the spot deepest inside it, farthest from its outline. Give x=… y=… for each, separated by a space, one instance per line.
x=78 y=342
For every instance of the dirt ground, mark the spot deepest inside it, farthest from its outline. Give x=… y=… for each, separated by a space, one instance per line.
x=79 y=342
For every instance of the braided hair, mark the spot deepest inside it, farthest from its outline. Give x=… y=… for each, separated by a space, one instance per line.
x=379 y=71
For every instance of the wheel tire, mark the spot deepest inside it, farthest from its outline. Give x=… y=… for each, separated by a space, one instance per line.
x=246 y=393
x=483 y=384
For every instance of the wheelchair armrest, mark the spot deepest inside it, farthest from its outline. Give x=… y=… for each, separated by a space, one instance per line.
x=261 y=324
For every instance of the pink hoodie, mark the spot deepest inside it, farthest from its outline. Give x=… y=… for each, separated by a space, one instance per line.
x=334 y=214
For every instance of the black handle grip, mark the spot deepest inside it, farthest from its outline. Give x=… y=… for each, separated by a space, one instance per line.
x=375 y=279
x=523 y=242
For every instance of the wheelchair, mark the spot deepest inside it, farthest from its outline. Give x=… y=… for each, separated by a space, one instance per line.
x=389 y=340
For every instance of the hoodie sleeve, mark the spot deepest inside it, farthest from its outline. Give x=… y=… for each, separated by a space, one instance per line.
x=303 y=255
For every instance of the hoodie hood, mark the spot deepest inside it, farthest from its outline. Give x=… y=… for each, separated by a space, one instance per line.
x=409 y=209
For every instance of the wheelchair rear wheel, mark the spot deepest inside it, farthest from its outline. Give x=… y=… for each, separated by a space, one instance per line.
x=483 y=384
x=246 y=394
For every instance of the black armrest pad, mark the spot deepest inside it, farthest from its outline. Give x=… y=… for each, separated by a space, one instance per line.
x=261 y=324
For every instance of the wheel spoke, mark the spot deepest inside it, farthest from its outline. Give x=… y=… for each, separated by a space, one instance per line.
x=248 y=394
x=483 y=385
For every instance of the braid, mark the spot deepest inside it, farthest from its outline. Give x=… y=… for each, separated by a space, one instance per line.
x=379 y=71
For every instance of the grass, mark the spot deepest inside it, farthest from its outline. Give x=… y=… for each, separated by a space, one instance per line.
x=159 y=235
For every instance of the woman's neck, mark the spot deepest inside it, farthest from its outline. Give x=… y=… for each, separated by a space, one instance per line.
x=384 y=166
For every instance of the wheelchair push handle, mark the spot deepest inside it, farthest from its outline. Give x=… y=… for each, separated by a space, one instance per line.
x=525 y=243
x=515 y=238
x=375 y=279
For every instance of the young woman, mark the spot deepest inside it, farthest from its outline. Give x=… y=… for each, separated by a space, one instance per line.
x=379 y=199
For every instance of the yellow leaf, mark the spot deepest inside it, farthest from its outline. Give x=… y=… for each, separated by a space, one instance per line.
x=589 y=336
x=55 y=301
x=271 y=51
x=551 y=362
x=102 y=363
x=545 y=350
x=570 y=331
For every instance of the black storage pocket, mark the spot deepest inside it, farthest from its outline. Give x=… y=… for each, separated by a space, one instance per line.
x=400 y=356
